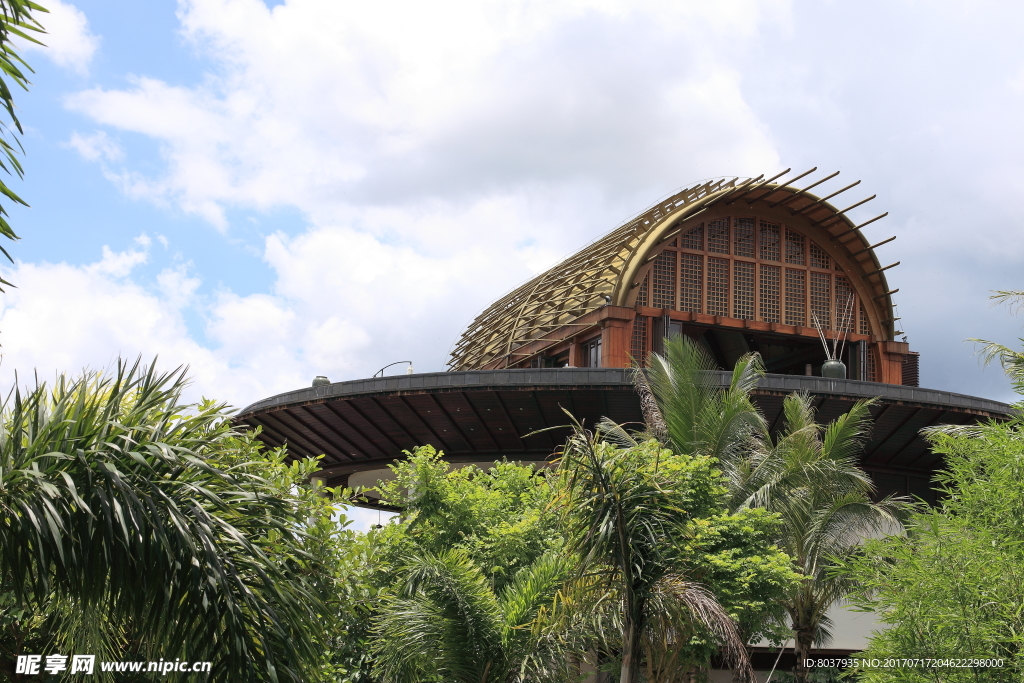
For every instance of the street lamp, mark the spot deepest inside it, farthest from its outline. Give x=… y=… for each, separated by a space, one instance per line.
x=409 y=371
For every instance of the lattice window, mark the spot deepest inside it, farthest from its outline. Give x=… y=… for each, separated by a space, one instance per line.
x=743 y=237
x=819 y=257
x=691 y=278
x=718 y=286
x=770 y=294
x=718 y=236
x=663 y=289
x=865 y=324
x=794 y=247
x=641 y=296
x=872 y=368
x=821 y=299
x=638 y=340
x=743 y=290
x=796 y=297
x=843 y=293
x=693 y=238
x=770 y=238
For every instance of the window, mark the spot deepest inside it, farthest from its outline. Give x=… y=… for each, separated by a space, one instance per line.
x=737 y=276
x=743 y=290
x=844 y=305
x=796 y=297
x=821 y=300
x=638 y=342
x=819 y=257
x=865 y=324
x=718 y=286
x=663 y=292
x=690 y=273
x=770 y=294
x=590 y=353
x=743 y=237
x=770 y=250
x=718 y=236
x=693 y=238
x=794 y=247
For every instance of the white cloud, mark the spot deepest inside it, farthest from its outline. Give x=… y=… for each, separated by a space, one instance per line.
x=442 y=152
x=407 y=104
x=68 y=41
x=96 y=147
x=342 y=304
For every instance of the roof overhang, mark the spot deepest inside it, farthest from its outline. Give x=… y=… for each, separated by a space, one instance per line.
x=480 y=416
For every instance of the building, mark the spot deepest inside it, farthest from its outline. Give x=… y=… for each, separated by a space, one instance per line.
x=738 y=265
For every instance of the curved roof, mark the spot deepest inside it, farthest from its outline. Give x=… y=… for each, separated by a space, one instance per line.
x=606 y=270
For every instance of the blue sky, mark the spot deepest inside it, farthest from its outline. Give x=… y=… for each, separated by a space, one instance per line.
x=268 y=192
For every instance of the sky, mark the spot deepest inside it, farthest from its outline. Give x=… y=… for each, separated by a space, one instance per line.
x=269 y=191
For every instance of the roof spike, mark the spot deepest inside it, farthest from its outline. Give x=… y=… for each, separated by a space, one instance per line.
x=878 y=244
x=858 y=227
x=840 y=213
x=824 y=199
x=759 y=185
x=876 y=272
x=781 y=185
x=783 y=202
x=741 y=186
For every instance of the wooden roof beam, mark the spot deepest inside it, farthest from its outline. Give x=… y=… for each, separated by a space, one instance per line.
x=837 y=214
x=781 y=185
x=727 y=194
x=880 y=270
x=877 y=244
x=823 y=199
x=858 y=227
x=758 y=186
x=799 y=193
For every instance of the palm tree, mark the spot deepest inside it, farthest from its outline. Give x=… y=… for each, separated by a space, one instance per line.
x=125 y=503
x=16 y=21
x=447 y=624
x=810 y=477
x=687 y=409
x=625 y=513
x=1011 y=361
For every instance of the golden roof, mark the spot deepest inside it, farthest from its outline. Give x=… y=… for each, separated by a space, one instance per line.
x=604 y=271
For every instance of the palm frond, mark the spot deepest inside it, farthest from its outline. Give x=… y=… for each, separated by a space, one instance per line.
x=697 y=603
x=111 y=495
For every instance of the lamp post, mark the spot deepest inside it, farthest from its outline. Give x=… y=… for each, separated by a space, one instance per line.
x=409 y=371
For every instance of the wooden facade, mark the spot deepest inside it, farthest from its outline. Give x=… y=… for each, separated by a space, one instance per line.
x=737 y=265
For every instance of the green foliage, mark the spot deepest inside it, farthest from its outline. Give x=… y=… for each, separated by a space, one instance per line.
x=496 y=516
x=17 y=19
x=954 y=586
x=737 y=556
x=657 y=548
x=447 y=623
x=1011 y=360
x=808 y=477
x=152 y=527
x=690 y=413
x=463 y=571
